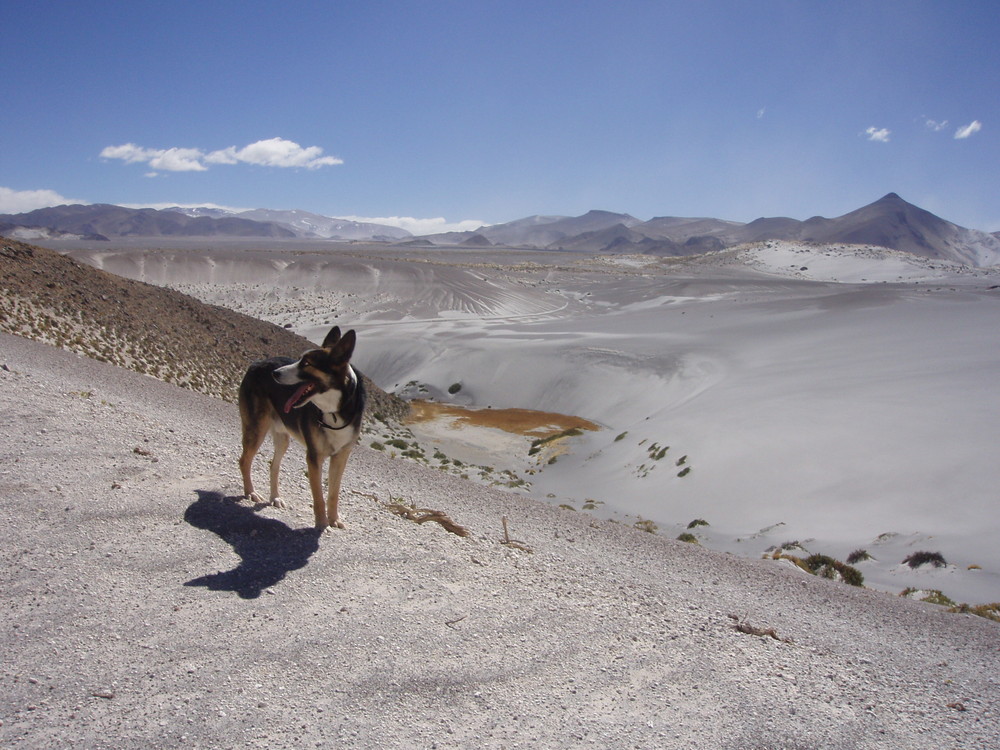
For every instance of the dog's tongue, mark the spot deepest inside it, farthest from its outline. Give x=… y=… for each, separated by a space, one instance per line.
x=299 y=393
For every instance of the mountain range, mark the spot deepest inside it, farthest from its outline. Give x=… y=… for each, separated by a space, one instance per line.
x=889 y=222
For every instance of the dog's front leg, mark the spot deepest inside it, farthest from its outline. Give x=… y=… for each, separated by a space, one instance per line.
x=337 y=463
x=280 y=440
x=314 y=468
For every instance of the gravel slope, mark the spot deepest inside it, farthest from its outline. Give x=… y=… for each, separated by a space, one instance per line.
x=144 y=606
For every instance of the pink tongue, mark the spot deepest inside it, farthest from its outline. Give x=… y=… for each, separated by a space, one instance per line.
x=290 y=404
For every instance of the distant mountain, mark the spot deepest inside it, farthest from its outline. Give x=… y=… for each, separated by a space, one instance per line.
x=102 y=221
x=889 y=222
x=539 y=231
x=306 y=224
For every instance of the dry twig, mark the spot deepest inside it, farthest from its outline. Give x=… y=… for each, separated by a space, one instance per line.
x=743 y=626
x=423 y=515
x=513 y=542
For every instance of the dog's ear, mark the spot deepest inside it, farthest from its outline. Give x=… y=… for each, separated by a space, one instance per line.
x=344 y=348
x=332 y=338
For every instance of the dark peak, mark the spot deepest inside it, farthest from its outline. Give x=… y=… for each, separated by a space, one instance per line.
x=890 y=197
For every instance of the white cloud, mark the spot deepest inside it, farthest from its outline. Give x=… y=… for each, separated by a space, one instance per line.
x=936 y=126
x=275 y=152
x=271 y=152
x=421 y=226
x=973 y=127
x=879 y=135
x=760 y=112
x=22 y=201
x=178 y=160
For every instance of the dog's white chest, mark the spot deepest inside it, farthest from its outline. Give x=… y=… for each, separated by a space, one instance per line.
x=337 y=439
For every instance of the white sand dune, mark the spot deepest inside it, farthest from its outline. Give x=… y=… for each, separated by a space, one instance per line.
x=829 y=394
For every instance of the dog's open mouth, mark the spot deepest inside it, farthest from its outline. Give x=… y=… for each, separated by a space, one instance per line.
x=298 y=398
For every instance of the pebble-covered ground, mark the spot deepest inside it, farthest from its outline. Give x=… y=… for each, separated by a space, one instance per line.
x=144 y=605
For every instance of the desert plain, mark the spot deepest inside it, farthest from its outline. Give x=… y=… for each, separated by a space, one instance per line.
x=797 y=399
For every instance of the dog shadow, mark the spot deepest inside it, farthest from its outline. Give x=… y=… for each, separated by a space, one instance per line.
x=268 y=549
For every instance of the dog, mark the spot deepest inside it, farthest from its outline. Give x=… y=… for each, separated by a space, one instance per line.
x=319 y=400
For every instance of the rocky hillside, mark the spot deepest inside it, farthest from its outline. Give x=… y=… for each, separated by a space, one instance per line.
x=155 y=331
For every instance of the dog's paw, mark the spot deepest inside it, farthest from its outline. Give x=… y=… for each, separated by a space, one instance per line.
x=277 y=502
x=253 y=497
x=338 y=524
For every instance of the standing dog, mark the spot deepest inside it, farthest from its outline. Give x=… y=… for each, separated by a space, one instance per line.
x=319 y=399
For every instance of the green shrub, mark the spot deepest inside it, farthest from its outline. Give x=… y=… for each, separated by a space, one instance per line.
x=454 y=388
x=688 y=537
x=698 y=522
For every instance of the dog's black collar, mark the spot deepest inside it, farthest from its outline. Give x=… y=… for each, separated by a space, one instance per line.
x=322 y=423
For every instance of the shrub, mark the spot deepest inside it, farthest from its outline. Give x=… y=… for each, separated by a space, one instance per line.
x=454 y=388
x=922 y=558
x=621 y=437
x=827 y=567
x=859 y=555
x=989 y=611
x=646 y=525
x=697 y=522
x=687 y=537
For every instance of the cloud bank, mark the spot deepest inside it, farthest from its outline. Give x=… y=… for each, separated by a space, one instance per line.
x=271 y=152
x=22 y=201
x=973 y=127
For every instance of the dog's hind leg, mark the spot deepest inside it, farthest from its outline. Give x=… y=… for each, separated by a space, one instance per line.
x=280 y=440
x=338 y=462
x=253 y=435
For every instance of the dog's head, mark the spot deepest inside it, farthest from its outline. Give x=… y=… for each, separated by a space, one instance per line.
x=323 y=375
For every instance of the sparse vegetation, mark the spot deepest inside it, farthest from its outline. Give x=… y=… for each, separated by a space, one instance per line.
x=859 y=555
x=932 y=596
x=687 y=536
x=646 y=525
x=827 y=567
x=989 y=611
x=454 y=388
x=925 y=558
x=152 y=330
x=698 y=522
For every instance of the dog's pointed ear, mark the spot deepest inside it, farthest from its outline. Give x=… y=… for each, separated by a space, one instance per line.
x=332 y=338
x=344 y=348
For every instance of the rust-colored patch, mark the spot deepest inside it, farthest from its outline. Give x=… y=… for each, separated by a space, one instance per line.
x=536 y=424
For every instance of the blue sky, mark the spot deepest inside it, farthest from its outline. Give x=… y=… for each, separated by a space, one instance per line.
x=477 y=111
